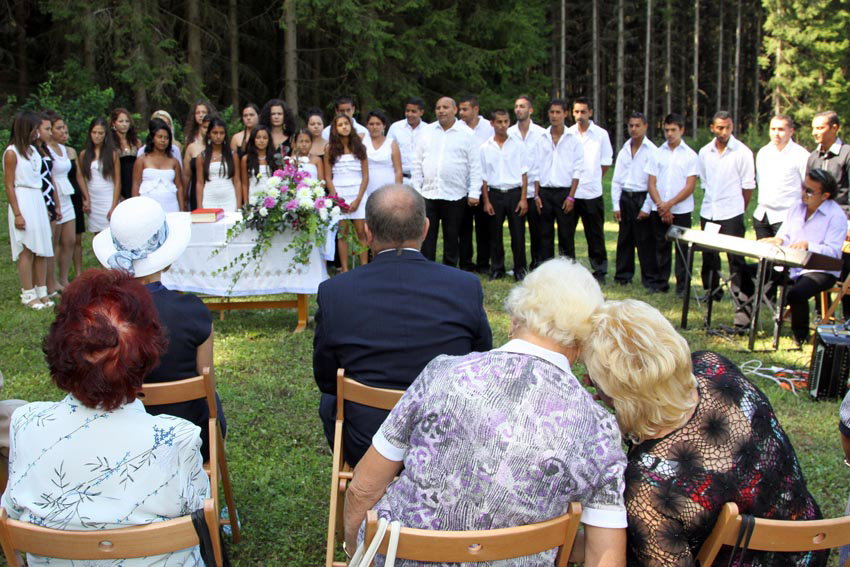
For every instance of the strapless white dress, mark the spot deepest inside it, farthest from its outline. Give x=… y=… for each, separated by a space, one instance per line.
x=158 y=184
x=219 y=192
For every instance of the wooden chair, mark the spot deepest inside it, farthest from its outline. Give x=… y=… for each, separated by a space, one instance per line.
x=827 y=307
x=774 y=535
x=201 y=387
x=341 y=474
x=120 y=543
x=484 y=545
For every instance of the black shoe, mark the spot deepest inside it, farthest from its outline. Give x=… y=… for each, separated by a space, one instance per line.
x=622 y=282
x=600 y=279
x=519 y=274
x=482 y=269
x=496 y=276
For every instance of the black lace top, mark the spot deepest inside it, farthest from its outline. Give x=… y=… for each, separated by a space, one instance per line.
x=732 y=449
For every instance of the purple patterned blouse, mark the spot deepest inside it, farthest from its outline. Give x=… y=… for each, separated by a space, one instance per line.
x=500 y=439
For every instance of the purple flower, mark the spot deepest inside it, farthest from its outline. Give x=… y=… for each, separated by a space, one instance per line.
x=270 y=202
x=279 y=173
x=320 y=204
x=292 y=205
x=299 y=176
x=288 y=170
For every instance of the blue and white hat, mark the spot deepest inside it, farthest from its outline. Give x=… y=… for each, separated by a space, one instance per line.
x=141 y=238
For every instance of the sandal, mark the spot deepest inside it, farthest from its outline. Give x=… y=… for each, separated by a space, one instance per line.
x=41 y=291
x=29 y=297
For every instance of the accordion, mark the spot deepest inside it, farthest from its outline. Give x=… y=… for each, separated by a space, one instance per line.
x=830 y=367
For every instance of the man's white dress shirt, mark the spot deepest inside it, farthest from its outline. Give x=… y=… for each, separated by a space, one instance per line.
x=780 y=175
x=530 y=140
x=557 y=165
x=503 y=167
x=406 y=137
x=447 y=165
x=597 y=153
x=671 y=168
x=723 y=176
x=630 y=171
x=483 y=130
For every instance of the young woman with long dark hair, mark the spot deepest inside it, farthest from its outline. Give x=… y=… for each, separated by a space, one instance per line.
x=315 y=125
x=99 y=174
x=281 y=121
x=256 y=163
x=307 y=161
x=127 y=143
x=49 y=193
x=190 y=156
x=348 y=175
x=157 y=174
x=63 y=231
x=250 y=119
x=218 y=184
x=192 y=127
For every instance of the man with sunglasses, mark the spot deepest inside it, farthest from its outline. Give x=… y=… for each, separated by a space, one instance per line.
x=818 y=224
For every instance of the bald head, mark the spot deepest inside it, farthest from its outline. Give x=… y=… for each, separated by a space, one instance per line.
x=395 y=218
x=446 y=110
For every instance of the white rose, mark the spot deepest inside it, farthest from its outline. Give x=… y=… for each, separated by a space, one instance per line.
x=323 y=214
x=263 y=211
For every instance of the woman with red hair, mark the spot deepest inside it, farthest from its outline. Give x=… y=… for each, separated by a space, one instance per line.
x=96 y=459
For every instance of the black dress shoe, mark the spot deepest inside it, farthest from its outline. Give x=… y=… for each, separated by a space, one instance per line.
x=496 y=276
x=519 y=274
x=622 y=282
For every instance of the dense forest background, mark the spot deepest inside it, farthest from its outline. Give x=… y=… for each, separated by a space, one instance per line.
x=751 y=57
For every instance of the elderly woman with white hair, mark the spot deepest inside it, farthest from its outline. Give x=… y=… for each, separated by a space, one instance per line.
x=701 y=435
x=506 y=437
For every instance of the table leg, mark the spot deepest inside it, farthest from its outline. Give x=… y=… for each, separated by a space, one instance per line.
x=754 y=315
x=686 y=301
x=302 y=312
x=780 y=311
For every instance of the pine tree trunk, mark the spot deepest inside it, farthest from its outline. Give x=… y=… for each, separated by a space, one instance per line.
x=562 y=84
x=89 y=36
x=290 y=57
x=756 y=50
x=647 y=59
x=596 y=99
x=695 y=101
x=233 y=35
x=720 y=61
x=621 y=70
x=668 y=64
x=736 y=90
x=777 y=68
x=21 y=48
x=194 y=53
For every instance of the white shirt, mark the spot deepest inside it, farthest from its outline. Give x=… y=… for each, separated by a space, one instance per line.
x=447 y=165
x=597 y=153
x=530 y=141
x=483 y=130
x=503 y=167
x=76 y=468
x=557 y=166
x=723 y=177
x=780 y=175
x=406 y=137
x=671 y=169
x=359 y=128
x=629 y=171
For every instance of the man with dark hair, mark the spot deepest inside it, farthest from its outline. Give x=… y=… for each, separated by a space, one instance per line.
x=589 y=205
x=727 y=173
x=406 y=311
x=558 y=160
x=468 y=111
x=447 y=172
x=631 y=208
x=528 y=132
x=345 y=105
x=504 y=174
x=406 y=132
x=673 y=173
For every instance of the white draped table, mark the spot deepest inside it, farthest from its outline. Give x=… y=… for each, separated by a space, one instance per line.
x=199 y=271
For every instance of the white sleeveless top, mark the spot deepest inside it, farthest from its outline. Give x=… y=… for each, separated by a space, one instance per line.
x=381 y=170
x=28 y=168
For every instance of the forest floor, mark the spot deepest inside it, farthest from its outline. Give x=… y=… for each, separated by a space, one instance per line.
x=279 y=459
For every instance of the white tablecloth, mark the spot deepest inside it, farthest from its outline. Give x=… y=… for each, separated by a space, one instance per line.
x=194 y=270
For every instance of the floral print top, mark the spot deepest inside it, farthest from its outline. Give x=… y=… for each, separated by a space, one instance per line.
x=501 y=439
x=76 y=468
x=731 y=450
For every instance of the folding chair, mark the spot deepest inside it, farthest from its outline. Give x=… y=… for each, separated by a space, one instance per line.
x=774 y=535
x=188 y=389
x=120 y=543
x=348 y=390
x=827 y=307
x=483 y=545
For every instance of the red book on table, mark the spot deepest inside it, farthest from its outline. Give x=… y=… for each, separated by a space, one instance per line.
x=207 y=215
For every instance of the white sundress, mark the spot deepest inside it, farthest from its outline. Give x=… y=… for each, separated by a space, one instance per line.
x=158 y=184
x=101 y=191
x=219 y=192
x=347 y=176
x=381 y=170
x=36 y=235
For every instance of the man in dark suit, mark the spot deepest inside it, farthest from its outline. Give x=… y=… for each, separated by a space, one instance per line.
x=384 y=321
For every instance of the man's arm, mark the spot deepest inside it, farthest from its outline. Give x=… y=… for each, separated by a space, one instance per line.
x=325 y=363
x=474 y=161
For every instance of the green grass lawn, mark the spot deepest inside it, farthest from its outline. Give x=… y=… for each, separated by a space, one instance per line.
x=279 y=459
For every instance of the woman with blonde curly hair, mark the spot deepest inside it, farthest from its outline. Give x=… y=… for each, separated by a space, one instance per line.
x=700 y=433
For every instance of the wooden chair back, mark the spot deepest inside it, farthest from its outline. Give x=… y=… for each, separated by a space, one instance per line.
x=120 y=543
x=484 y=545
x=774 y=535
x=348 y=390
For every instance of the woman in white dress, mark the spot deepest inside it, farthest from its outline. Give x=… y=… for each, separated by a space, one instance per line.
x=99 y=175
x=157 y=174
x=315 y=125
x=218 y=184
x=307 y=161
x=64 y=233
x=255 y=166
x=384 y=155
x=29 y=226
x=348 y=167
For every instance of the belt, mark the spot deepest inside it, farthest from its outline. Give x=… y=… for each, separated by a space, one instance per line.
x=634 y=190
x=555 y=188
x=505 y=190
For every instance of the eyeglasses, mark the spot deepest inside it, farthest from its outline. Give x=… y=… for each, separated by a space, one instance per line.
x=810 y=192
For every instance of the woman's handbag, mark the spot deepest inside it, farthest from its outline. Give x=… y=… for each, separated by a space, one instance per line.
x=363 y=557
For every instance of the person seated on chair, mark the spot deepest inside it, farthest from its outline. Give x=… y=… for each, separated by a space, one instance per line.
x=96 y=459
x=506 y=437
x=144 y=241
x=385 y=320
x=700 y=435
x=818 y=224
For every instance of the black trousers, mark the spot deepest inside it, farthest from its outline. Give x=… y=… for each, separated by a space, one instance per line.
x=481 y=221
x=636 y=233
x=552 y=199
x=741 y=282
x=664 y=250
x=807 y=286
x=535 y=237
x=592 y=215
x=504 y=206
x=451 y=215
